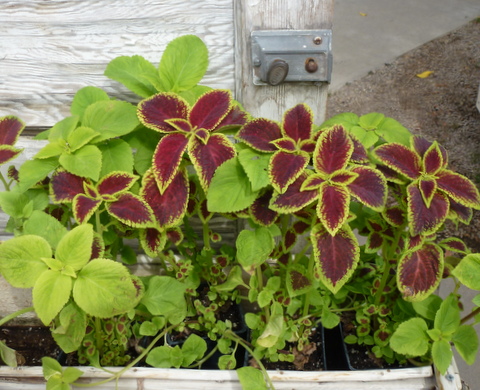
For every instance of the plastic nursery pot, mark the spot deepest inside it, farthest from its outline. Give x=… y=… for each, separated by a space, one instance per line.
x=239 y=328
x=336 y=355
x=305 y=361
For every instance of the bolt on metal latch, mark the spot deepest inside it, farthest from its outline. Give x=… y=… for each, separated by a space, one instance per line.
x=291 y=55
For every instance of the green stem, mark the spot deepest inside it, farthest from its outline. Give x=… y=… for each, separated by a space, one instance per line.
x=232 y=336
x=259 y=273
x=118 y=374
x=10 y=317
x=5 y=184
x=206 y=236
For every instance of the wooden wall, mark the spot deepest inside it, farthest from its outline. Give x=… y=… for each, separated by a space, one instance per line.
x=51 y=48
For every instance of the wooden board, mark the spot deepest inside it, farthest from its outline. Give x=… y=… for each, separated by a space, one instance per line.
x=50 y=49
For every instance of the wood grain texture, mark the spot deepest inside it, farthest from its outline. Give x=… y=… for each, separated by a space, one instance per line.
x=252 y=15
x=50 y=49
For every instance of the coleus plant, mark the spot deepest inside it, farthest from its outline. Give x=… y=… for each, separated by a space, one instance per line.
x=117 y=179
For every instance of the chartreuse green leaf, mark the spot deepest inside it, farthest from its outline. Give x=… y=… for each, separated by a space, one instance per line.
x=191 y=95
x=70 y=328
x=254 y=247
x=136 y=73
x=347 y=120
x=85 y=162
x=75 y=248
x=274 y=329
x=193 y=349
x=468 y=271
x=227 y=362
x=442 y=355
x=50 y=293
x=33 y=171
x=252 y=379
x=428 y=307
x=57 y=378
x=46 y=226
x=183 y=63
x=465 y=340
x=230 y=189
x=104 y=288
x=63 y=128
x=116 y=156
x=392 y=131
x=447 y=319
x=255 y=165
x=163 y=357
x=165 y=297
x=79 y=137
x=7 y=355
x=111 y=118
x=411 y=338
x=21 y=260
x=85 y=97
x=14 y=203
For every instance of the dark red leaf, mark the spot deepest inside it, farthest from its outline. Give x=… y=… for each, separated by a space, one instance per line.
x=286 y=144
x=259 y=133
x=8 y=153
x=10 y=129
x=236 y=116
x=336 y=256
x=175 y=235
x=459 y=188
x=167 y=157
x=206 y=158
x=154 y=111
x=395 y=216
x=433 y=159
x=297 y=123
x=65 y=186
x=333 y=151
x=421 y=145
x=289 y=240
x=116 y=182
x=333 y=206
x=359 y=154
x=294 y=199
x=308 y=146
x=420 y=272
x=84 y=207
x=423 y=219
x=261 y=212
x=285 y=168
x=455 y=245
x=400 y=158
x=210 y=109
x=169 y=207
x=153 y=241
x=427 y=187
x=460 y=212
x=132 y=210
x=374 y=242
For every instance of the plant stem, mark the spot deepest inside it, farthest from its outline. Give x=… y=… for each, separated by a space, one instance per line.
x=5 y=184
x=10 y=317
x=206 y=236
x=118 y=374
x=259 y=273
x=471 y=315
x=232 y=336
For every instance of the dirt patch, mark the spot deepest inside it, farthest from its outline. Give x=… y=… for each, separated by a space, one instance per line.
x=440 y=107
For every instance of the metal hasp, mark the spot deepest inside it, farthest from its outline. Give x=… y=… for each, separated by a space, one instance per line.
x=291 y=55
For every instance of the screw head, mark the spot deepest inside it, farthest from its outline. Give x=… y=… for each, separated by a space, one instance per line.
x=317 y=40
x=311 y=65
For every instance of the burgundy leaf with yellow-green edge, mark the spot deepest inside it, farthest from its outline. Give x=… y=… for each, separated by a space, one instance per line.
x=336 y=256
x=294 y=198
x=84 y=207
x=153 y=241
x=155 y=111
x=207 y=157
x=10 y=129
x=420 y=272
x=458 y=188
x=333 y=151
x=285 y=168
x=401 y=159
x=236 y=117
x=131 y=209
x=169 y=207
x=260 y=211
x=423 y=219
x=64 y=186
x=369 y=187
x=421 y=146
x=455 y=245
x=458 y=212
x=297 y=123
x=333 y=206
x=175 y=235
x=115 y=183
x=210 y=109
x=259 y=133
x=433 y=159
x=395 y=216
x=167 y=157
x=428 y=188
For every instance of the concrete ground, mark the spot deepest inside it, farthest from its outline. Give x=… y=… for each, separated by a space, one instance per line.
x=370 y=33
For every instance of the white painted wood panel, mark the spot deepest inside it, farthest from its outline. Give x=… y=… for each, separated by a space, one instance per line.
x=50 y=49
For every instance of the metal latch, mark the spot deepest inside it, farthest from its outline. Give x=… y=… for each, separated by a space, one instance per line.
x=291 y=55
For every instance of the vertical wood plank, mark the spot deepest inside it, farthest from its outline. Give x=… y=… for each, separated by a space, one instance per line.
x=269 y=101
